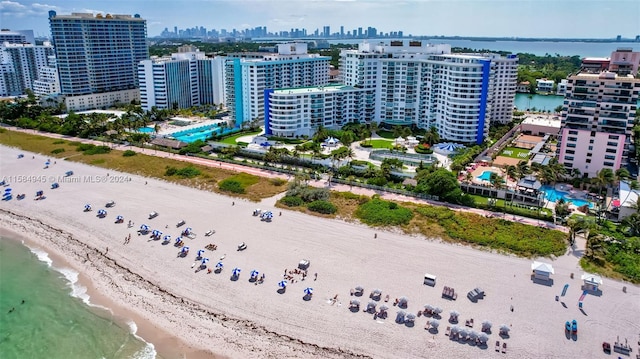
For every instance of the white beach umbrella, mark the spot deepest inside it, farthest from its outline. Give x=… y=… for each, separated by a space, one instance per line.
x=434 y=323
x=483 y=338
x=411 y=317
x=437 y=310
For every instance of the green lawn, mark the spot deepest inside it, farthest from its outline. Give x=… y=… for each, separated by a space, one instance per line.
x=231 y=140
x=385 y=134
x=515 y=152
x=380 y=143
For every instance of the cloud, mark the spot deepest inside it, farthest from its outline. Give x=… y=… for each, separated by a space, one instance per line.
x=91 y=11
x=17 y=9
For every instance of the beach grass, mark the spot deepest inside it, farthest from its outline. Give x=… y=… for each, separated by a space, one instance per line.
x=256 y=188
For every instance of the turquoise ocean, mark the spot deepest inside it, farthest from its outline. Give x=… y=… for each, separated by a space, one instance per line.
x=56 y=319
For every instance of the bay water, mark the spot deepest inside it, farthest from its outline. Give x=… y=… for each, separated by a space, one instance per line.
x=45 y=313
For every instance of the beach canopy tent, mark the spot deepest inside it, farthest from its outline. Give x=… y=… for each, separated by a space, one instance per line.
x=331 y=141
x=592 y=281
x=447 y=147
x=541 y=270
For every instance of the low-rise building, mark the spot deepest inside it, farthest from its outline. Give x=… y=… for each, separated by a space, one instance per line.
x=101 y=100
x=561 y=89
x=541 y=125
x=544 y=85
x=523 y=87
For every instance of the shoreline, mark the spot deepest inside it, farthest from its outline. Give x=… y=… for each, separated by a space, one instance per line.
x=166 y=345
x=238 y=318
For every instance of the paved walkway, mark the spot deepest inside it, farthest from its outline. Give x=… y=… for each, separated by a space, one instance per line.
x=317 y=183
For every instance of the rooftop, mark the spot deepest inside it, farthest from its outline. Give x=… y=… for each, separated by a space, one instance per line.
x=542 y=120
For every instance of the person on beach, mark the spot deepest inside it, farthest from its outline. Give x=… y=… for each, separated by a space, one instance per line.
x=315 y=276
x=233 y=203
x=107 y=251
x=375 y=235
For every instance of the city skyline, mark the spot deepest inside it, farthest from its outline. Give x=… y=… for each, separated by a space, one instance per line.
x=562 y=18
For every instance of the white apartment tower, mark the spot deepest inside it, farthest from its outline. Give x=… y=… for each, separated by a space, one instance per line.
x=425 y=85
x=183 y=80
x=248 y=75
x=48 y=81
x=20 y=65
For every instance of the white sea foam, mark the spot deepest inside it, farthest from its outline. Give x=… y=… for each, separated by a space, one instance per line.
x=80 y=292
x=149 y=351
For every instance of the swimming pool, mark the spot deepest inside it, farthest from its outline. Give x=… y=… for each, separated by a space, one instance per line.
x=553 y=195
x=485 y=176
x=145 y=129
x=198 y=133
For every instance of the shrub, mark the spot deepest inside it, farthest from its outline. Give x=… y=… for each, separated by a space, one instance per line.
x=366 y=144
x=94 y=150
x=377 y=212
x=128 y=153
x=84 y=146
x=170 y=171
x=292 y=201
x=277 y=181
x=423 y=149
x=324 y=207
x=57 y=150
x=188 y=172
x=308 y=193
x=58 y=142
x=231 y=185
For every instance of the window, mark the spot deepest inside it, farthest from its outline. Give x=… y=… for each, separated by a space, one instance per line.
x=614 y=137
x=608 y=164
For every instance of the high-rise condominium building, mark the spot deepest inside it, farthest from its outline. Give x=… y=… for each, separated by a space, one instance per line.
x=425 y=85
x=248 y=75
x=598 y=114
x=300 y=111
x=183 y=80
x=17 y=36
x=48 y=82
x=98 y=56
x=20 y=64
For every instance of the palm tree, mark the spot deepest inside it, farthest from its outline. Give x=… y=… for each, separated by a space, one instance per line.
x=575 y=173
x=511 y=171
x=373 y=127
x=431 y=136
x=603 y=178
x=468 y=177
x=633 y=186
x=522 y=169
x=577 y=225
x=632 y=224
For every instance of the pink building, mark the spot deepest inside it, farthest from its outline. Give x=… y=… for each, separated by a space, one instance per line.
x=598 y=115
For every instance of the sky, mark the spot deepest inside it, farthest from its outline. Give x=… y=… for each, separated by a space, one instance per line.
x=496 y=18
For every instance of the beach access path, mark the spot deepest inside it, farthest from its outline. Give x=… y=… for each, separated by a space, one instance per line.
x=241 y=319
x=322 y=183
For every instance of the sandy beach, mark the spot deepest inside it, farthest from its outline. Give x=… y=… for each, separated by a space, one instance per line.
x=240 y=319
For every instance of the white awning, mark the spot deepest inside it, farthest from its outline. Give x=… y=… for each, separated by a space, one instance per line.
x=542 y=267
x=593 y=279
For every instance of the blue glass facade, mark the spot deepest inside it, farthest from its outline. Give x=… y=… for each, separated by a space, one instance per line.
x=98 y=54
x=486 y=70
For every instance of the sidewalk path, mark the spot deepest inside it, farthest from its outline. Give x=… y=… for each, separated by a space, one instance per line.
x=317 y=183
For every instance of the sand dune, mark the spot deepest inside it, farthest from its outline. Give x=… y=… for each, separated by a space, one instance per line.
x=241 y=319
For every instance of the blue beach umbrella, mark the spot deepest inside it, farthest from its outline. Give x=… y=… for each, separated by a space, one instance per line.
x=219 y=265
x=282 y=283
x=185 y=249
x=167 y=238
x=308 y=291
x=144 y=227
x=200 y=252
x=155 y=232
x=39 y=193
x=254 y=273
x=7 y=190
x=236 y=271
x=119 y=218
x=204 y=261
x=178 y=239
x=47 y=163
x=188 y=230
x=102 y=212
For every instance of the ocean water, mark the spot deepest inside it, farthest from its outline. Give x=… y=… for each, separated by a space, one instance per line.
x=56 y=319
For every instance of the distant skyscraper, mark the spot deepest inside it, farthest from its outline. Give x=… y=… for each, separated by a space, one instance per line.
x=98 y=55
x=17 y=37
x=48 y=81
x=20 y=64
x=341 y=31
x=326 y=32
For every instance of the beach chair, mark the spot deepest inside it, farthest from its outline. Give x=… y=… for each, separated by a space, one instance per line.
x=497 y=345
x=447 y=331
x=504 y=347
